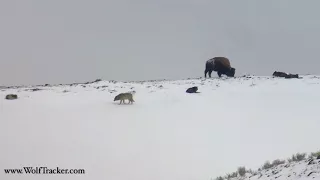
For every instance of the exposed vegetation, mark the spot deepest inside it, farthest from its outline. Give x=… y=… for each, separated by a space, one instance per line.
x=242 y=171
x=315 y=154
x=297 y=157
x=267 y=165
x=231 y=175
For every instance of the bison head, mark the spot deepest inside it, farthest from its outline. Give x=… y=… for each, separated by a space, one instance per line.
x=231 y=72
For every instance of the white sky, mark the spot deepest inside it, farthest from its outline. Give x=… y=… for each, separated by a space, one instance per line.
x=66 y=41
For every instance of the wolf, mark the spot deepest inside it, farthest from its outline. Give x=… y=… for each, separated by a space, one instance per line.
x=11 y=96
x=285 y=75
x=279 y=74
x=192 y=90
x=123 y=96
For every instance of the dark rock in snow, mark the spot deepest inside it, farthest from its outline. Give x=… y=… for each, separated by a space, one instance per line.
x=97 y=80
x=310 y=162
x=35 y=89
x=310 y=174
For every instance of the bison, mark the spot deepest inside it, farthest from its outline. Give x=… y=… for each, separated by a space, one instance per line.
x=221 y=65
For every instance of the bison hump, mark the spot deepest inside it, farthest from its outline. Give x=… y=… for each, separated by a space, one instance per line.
x=223 y=61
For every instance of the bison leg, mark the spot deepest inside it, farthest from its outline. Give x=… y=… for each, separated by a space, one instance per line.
x=219 y=73
x=210 y=72
x=205 y=73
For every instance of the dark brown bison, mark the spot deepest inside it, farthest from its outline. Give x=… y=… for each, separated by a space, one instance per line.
x=221 y=65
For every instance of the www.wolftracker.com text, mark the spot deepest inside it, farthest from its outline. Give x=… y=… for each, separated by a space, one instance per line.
x=43 y=170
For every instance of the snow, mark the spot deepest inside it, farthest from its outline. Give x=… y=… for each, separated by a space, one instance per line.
x=302 y=170
x=166 y=134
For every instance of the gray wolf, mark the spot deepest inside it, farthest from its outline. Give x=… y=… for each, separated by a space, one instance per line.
x=221 y=65
x=11 y=96
x=123 y=96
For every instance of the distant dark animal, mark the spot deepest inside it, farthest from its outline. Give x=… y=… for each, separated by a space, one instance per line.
x=279 y=74
x=289 y=76
x=192 y=90
x=285 y=75
x=221 y=65
x=11 y=96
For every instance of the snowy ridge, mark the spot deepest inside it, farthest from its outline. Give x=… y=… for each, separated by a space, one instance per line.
x=113 y=86
x=305 y=169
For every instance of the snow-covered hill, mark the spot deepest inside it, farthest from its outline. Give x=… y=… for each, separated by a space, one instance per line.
x=166 y=134
x=307 y=169
x=304 y=169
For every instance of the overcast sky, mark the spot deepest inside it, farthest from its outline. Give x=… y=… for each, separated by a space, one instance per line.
x=65 y=41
